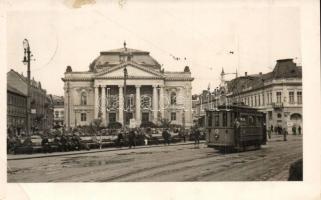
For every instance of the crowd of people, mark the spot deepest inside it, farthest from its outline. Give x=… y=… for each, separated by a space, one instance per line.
x=279 y=130
x=61 y=140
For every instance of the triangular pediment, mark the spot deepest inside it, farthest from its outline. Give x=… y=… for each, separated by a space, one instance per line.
x=133 y=70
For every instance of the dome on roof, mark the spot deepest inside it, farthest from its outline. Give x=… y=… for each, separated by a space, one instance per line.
x=111 y=58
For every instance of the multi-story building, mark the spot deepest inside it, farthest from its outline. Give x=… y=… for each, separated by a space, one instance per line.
x=38 y=98
x=16 y=111
x=277 y=93
x=151 y=93
x=58 y=111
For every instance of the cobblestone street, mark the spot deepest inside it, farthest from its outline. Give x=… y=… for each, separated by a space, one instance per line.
x=163 y=163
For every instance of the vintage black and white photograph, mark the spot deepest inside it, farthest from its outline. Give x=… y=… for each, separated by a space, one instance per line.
x=169 y=96
x=131 y=91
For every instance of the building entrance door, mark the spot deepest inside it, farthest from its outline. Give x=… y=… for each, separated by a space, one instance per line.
x=145 y=117
x=129 y=116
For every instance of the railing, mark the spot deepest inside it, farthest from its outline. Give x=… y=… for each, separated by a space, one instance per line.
x=277 y=105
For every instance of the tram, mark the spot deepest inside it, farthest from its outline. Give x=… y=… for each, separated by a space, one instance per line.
x=235 y=127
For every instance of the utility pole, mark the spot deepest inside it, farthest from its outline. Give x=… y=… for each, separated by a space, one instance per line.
x=26 y=61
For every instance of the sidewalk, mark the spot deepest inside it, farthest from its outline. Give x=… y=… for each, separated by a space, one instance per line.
x=55 y=154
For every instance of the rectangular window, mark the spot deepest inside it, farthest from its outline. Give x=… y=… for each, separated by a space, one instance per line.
x=299 y=96
x=173 y=116
x=270 y=115
x=209 y=120
x=259 y=100
x=291 y=97
x=224 y=119
x=279 y=97
x=251 y=101
x=263 y=100
x=270 y=98
x=217 y=120
x=112 y=117
x=56 y=114
x=83 y=117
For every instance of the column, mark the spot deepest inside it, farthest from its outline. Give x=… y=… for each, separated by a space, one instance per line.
x=137 y=104
x=155 y=103
x=121 y=104
x=96 y=105
x=103 y=104
x=161 y=101
x=188 y=115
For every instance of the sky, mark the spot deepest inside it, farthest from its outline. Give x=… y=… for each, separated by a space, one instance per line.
x=258 y=34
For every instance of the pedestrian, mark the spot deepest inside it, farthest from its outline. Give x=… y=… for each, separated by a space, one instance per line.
x=293 y=130
x=131 y=138
x=197 y=135
x=120 y=139
x=264 y=134
x=299 y=130
x=166 y=136
x=285 y=132
x=272 y=129
x=269 y=133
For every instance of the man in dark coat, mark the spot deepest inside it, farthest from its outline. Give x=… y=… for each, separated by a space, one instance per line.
x=166 y=136
x=197 y=136
x=120 y=139
x=299 y=130
x=293 y=130
x=132 y=138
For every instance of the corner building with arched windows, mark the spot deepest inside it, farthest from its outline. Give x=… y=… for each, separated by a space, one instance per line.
x=151 y=92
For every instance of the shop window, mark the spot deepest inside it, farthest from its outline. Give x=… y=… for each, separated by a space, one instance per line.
x=279 y=115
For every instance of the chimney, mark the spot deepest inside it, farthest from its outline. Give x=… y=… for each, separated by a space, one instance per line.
x=260 y=73
x=245 y=73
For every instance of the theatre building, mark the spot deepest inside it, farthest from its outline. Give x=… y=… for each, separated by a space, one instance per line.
x=148 y=93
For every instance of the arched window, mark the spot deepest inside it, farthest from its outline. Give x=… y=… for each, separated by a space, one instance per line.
x=173 y=98
x=295 y=116
x=83 y=99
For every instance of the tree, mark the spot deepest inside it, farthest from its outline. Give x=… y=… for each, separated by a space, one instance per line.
x=96 y=122
x=165 y=123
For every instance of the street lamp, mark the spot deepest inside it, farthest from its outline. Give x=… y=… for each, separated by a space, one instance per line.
x=26 y=61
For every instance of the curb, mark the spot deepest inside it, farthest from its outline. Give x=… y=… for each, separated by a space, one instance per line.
x=92 y=151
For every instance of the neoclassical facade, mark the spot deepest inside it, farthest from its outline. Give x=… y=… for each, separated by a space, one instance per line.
x=148 y=93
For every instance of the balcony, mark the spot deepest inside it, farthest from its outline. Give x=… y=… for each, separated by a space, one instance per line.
x=277 y=105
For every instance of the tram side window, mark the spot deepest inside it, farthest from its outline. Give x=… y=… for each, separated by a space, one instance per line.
x=232 y=118
x=252 y=120
x=224 y=119
x=210 y=120
x=244 y=120
x=217 y=120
